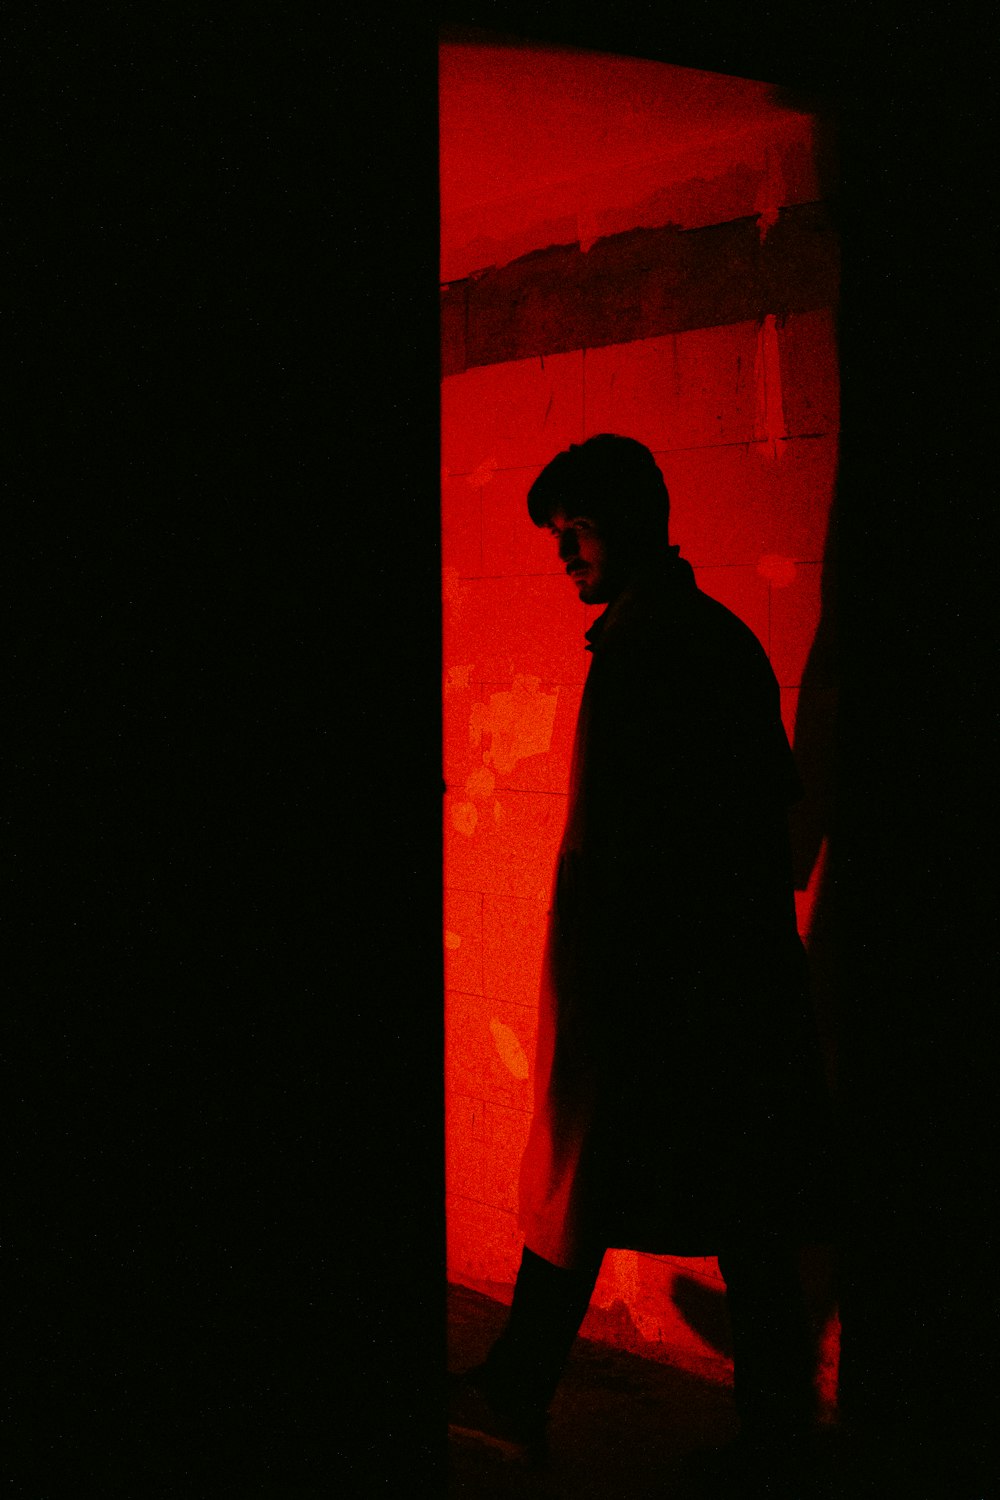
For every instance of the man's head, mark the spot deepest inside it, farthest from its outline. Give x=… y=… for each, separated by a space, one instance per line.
x=606 y=502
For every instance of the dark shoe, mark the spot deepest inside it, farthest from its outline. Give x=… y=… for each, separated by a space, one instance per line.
x=480 y=1411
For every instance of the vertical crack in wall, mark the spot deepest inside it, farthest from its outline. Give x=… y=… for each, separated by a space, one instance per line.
x=770 y=428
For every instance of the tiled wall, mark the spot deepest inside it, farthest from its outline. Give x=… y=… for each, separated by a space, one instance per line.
x=743 y=421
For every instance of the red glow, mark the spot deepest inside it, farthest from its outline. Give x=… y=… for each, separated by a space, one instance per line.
x=547 y=146
x=543 y=147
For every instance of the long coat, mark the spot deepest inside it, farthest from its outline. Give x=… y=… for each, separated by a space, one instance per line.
x=679 y=1089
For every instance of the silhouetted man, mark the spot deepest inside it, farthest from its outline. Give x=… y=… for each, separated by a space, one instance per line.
x=679 y=1095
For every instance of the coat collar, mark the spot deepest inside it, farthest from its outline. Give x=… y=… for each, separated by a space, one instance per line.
x=677 y=576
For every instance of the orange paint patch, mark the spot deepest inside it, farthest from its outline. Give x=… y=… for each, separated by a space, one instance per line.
x=511 y=1052
x=464 y=818
x=480 y=783
x=519 y=723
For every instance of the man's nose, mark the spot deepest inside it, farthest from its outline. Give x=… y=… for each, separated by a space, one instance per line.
x=568 y=545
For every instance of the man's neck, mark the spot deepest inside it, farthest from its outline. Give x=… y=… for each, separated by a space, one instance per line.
x=646 y=571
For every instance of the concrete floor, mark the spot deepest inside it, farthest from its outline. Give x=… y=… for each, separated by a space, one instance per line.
x=621 y=1426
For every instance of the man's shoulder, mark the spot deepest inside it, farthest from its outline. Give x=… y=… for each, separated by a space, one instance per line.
x=686 y=626
x=719 y=626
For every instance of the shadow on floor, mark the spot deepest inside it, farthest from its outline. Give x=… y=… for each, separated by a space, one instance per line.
x=627 y=1428
x=621 y=1426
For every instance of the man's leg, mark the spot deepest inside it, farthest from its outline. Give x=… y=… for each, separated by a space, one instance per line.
x=549 y=1305
x=773 y=1353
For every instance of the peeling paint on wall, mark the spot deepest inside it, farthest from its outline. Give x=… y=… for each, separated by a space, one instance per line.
x=452 y=940
x=511 y=1052
x=519 y=724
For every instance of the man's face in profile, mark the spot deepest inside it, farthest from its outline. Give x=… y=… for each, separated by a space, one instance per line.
x=584 y=553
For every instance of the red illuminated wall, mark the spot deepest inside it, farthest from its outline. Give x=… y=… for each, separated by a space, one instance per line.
x=743 y=419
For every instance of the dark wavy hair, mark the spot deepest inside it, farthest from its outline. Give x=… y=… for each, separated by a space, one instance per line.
x=614 y=480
